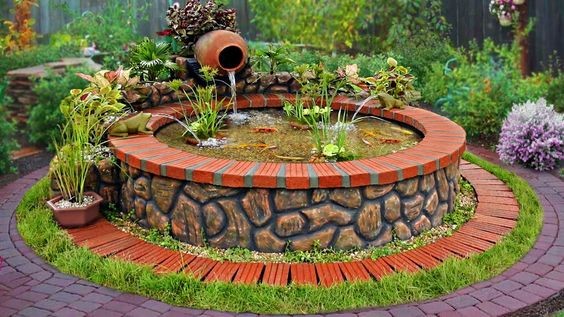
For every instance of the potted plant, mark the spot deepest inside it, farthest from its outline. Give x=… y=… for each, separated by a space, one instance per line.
x=88 y=113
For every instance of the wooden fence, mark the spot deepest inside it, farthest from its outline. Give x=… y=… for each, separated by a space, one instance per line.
x=470 y=19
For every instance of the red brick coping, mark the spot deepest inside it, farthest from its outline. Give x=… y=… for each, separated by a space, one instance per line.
x=496 y=215
x=442 y=145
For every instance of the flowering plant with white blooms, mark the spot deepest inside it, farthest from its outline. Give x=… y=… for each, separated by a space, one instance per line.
x=505 y=10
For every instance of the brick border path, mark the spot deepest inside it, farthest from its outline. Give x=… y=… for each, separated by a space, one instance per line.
x=30 y=287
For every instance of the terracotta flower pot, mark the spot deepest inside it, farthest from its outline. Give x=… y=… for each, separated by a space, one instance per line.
x=225 y=50
x=76 y=217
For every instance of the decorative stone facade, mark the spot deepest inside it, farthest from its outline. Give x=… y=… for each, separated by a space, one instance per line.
x=269 y=220
x=247 y=82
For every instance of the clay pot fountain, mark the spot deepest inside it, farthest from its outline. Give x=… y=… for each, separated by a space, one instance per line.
x=227 y=51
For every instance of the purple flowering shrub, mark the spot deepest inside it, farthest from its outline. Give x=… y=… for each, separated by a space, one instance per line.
x=532 y=135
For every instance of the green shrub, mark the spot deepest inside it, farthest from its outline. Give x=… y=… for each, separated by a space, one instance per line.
x=555 y=95
x=45 y=117
x=478 y=87
x=7 y=130
x=35 y=56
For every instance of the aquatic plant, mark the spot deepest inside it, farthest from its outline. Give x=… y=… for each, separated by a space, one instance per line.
x=151 y=60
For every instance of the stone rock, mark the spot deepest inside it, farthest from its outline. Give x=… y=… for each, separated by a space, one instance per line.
x=164 y=191
x=278 y=89
x=155 y=218
x=214 y=219
x=327 y=213
x=155 y=96
x=127 y=195
x=133 y=172
x=108 y=171
x=431 y=202
x=266 y=81
x=412 y=206
x=266 y=241
x=347 y=239
x=251 y=89
x=222 y=90
x=442 y=185
x=142 y=188
x=319 y=195
x=347 y=197
x=240 y=86
x=166 y=99
x=284 y=77
x=451 y=196
x=452 y=171
x=392 y=208
x=307 y=242
x=238 y=230
x=144 y=105
x=256 y=204
x=385 y=237
x=421 y=224
x=377 y=191
x=163 y=88
x=110 y=194
x=408 y=187
x=437 y=218
x=402 y=230
x=204 y=192
x=294 y=86
x=92 y=180
x=246 y=72
x=140 y=205
x=253 y=78
x=427 y=182
x=289 y=224
x=369 y=220
x=289 y=199
x=187 y=220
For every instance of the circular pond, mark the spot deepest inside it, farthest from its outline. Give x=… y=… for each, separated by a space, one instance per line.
x=269 y=206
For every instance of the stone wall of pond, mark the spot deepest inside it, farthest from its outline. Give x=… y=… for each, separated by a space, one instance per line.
x=247 y=81
x=270 y=220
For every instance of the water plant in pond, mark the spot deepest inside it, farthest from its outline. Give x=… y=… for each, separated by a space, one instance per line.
x=151 y=60
x=208 y=111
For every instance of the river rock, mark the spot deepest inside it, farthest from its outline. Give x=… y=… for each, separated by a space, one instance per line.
x=413 y=206
x=319 y=195
x=347 y=239
x=437 y=218
x=266 y=81
x=278 y=89
x=377 y=191
x=256 y=204
x=347 y=197
x=186 y=221
x=238 y=230
x=427 y=182
x=156 y=218
x=284 y=77
x=289 y=224
x=392 y=208
x=290 y=199
x=142 y=187
x=204 y=192
x=402 y=230
x=442 y=185
x=321 y=215
x=369 y=220
x=214 y=219
x=110 y=194
x=385 y=236
x=267 y=241
x=251 y=89
x=321 y=238
x=421 y=224
x=408 y=187
x=164 y=191
x=431 y=202
x=108 y=171
x=140 y=204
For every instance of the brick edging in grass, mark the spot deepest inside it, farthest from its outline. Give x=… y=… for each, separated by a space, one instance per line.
x=442 y=145
x=496 y=215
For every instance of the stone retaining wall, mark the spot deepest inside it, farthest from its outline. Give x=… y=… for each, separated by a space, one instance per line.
x=269 y=220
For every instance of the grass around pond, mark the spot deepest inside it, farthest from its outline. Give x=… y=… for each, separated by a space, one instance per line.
x=42 y=234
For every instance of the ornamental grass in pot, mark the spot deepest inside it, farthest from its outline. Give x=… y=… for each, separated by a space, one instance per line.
x=88 y=115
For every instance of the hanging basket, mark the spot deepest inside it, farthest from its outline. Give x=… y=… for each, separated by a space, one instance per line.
x=518 y=2
x=505 y=20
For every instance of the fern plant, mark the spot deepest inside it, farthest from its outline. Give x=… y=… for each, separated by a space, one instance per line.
x=151 y=60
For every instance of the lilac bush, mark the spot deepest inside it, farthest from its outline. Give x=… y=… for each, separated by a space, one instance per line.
x=532 y=135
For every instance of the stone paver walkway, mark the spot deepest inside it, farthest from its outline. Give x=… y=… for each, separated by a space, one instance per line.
x=30 y=287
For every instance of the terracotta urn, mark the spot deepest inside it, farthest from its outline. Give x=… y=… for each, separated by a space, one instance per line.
x=79 y=216
x=225 y=50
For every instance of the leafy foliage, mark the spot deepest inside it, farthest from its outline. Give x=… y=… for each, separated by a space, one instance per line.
x=396 y=81
x=270 y=58
x=45 y=117
x=20 y=32
x=555 y=94
x=532 y=135
x=197 y=19
x=478 y=86
x=151 y=60
x=7 y=130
